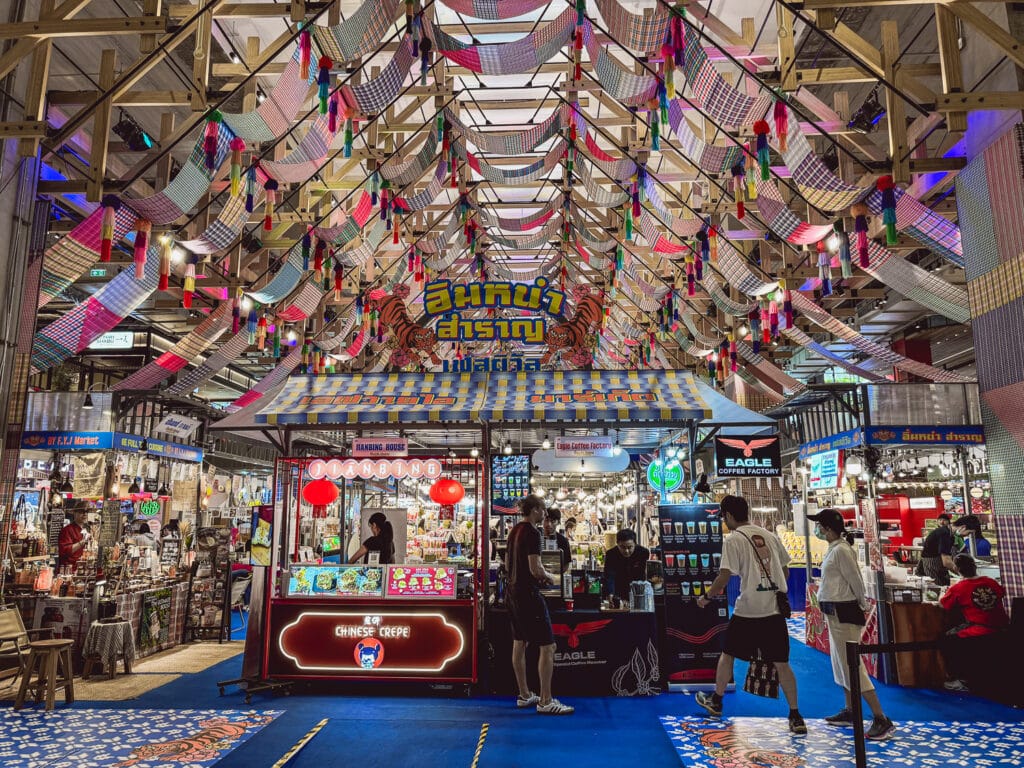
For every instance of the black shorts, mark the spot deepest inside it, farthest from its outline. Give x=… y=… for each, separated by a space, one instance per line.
x=530 y=620
x=769 y=634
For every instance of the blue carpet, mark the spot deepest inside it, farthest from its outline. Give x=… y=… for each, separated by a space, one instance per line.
x=433 y=730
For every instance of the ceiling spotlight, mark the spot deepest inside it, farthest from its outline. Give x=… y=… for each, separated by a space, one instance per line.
x=831 y=158
x=260 y=96
x=177 y=255
x=832 y=242
x=234 y=57
x=507 y=450
x=743 y=331
x=131 y=133
x=671 y=452
x=474 y=451
x=865 y=119
x=547 y=443
x=451 y=453
x=87 y=405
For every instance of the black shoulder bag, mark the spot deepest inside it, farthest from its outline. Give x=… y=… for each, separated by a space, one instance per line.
x=781 y=598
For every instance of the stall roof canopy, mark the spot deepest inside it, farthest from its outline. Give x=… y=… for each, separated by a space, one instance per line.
x=549 y=396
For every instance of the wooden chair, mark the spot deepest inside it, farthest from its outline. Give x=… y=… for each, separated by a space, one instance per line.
x=52 y=660
x=14 y=642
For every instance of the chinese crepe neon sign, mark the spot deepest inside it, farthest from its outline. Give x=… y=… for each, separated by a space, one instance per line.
x=378 y=469
x=445 y=300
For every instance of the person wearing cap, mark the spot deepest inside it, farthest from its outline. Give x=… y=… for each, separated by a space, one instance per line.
x=978 y=603
x=970 y=525
x=937 y=552
x=552 y=517
x=74 y=537
x=841 y=598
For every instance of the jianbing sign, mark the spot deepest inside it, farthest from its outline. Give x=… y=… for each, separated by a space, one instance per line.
x=371 y=641
x=446 y=300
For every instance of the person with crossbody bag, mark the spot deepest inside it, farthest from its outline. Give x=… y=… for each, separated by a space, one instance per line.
x=757 y=631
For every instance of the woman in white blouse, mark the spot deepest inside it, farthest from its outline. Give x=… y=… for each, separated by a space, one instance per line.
x=841 y=597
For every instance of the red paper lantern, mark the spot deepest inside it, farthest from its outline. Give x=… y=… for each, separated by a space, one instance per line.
x=447 y=491
x=320 y=493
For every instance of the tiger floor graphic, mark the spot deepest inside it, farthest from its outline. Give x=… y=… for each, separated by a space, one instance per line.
x=796 y=625
x=142 y=738
x=747 y=742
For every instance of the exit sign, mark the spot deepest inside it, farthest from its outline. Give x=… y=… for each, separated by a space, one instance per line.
x=98 y=272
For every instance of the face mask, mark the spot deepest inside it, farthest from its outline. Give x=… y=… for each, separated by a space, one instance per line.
x=818 y=533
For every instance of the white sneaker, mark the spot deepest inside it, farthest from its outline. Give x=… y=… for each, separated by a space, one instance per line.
x=555 y=707
x=530 y=701
x=956 y=685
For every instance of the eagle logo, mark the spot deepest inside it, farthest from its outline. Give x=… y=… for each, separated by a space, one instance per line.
x=575 y=633
x=748 y=446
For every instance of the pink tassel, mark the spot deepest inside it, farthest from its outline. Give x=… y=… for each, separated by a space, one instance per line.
x=141 y=244
x=305 y=53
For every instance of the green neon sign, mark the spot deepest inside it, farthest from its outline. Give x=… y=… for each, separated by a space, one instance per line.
x=673 y=476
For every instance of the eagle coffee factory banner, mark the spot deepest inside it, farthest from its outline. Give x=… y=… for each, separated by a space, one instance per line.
x=748 y=456
x=691 y=545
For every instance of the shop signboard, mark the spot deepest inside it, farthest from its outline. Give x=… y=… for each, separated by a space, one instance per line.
x=584 y=447
x=839 y=441
x=748 y=456
x=510 y=482
x=111 y=523
x=54 y=525
x=394 y=447
x=506 y=364
x=825 y=470
x=673 y=475
x=964 y=434
x=412 y=581
x=154 y=447
x=336 y=581
x=149 y=508
x=113 y=339
x=691 y=545
x=446 y=300
x=374 y=641
x=374 y=469
x=178 y=425
x=155 y=622
x=67 y=441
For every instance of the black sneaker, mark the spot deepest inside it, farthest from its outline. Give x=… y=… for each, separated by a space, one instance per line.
x=841 y=719
x=797 y=724
x=711 y=702
x=881 y=728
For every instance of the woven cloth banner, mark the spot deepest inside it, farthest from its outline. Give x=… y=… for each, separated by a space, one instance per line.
x=376 y=94
x=274 y=117
x=188 y=348
x=494 y=10
x=592 y=241
x=708 y=157
x=680 y=227
x=640 y=32
x=526 y=242
x=225 y=355
x=782 y=221
x=727 y=305
x=510 y=177
x=521 y=223
x=421 y=200
x=799 y=337
x=306 y=159
x=517 y=57
x=358 y=35
x=923 y=224
x=302 y=303
x=511 y=144
x=756 y=362
x=621 y=84
x=284 y=281
x=598 y=194
x=410 y=170
x=225 y=229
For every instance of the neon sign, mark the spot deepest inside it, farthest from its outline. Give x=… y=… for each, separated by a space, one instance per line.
x=377 y=469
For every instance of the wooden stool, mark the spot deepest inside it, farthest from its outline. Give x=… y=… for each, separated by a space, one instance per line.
x=48 y=654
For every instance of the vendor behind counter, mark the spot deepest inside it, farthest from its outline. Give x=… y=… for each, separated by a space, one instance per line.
x=625 y=563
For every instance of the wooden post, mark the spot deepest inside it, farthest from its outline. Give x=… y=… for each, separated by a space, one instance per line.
x=201 y=61
x=163 y=166
x=949 y=62
x=35 y=104
x=895 y=108
x=787 y=49
x=147 y=42
x=252 y=56
x=101 y=129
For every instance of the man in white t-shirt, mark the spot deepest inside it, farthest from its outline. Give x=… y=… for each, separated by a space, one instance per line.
x=759 y=559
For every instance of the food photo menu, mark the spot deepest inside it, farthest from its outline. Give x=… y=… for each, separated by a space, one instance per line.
x=510 y=483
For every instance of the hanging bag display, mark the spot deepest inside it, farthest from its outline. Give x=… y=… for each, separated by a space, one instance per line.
x=762 y=678
x=781 y=598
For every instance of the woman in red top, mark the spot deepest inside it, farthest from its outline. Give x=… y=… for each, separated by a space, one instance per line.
x=979 y=601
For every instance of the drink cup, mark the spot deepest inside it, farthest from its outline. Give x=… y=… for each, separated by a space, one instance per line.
x=714 y=526
x=570 y=605
x=670 y=561
x=689 y=527
x=684 y=587
x=705 y=560
x=707 y=586
x=703 y=526
x=718 y=559
x=697 y=587
x=666 y=527
x=693 y=561
x=679 y=529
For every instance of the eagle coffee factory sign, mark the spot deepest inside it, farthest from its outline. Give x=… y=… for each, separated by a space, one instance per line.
x=751 y=456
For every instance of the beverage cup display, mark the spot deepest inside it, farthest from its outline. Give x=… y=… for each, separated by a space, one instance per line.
x=718 y=558
x=693 y=561
x=570 y=605
x=679 y=529
x=703 y=526
x=689 y=526
x=684 y=587
x=705 y=560
x=670 y=561
x=707 y=586
x=697 y=587
x=714 y=526
x=666 y=527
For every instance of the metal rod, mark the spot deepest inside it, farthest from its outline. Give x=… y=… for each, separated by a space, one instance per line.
x=856 y=705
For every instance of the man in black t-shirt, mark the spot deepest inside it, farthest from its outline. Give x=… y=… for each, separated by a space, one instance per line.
x=552 y=518
x=937 y=552
x=624 y=564
x=528 y=611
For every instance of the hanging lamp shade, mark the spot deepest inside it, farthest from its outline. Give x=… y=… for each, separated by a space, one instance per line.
x=447 y=491
x=320 y=493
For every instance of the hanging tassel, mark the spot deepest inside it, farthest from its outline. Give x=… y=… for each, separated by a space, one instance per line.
x=773 y=321
x=236 y=311
x=887 y=187
x=323 y=80
x=663 y=104
x=711 y=367
x=824 y=269
x=787 y=303
x=629 y=222
x=397 y=229
x=237 y=146
x=425 y=47
x=739 y=184
x=732 y=352
x=408 y=16
x=705 y=246
x=307 y=246
x=374 y=187
x=418 y=274
x=318 y=259
x=754 y=318
x=189 y=287
x=691 y=283
x=581 y=11
x=332 y=114
x=761 y=130
x=635 y=195
x=277 y=342
x=723 y=355
x=305 y=53
x=307 y=343
x=654 y=124
x=668 y=68
x=270 y=192
x=252 y=323
x=210 y=139
x=360 y=314
x=417 y=33
x=698 y=269
x=619 y=258
x=347 y=150
x=860 y=226
x=339 y=276
x=751 y=175
x=166 y=252
x=261 y=332
x=111 y=205
x=455 y=172
x=713 y=243
x=781 y=115
x=563 y=277
x=143 y=228
x=843 y=239
x=250 y=189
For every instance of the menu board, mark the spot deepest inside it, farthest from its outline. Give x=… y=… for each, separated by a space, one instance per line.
x=336 y=581
x=111 y=523
x=54 y=525
x=510 y=482
x=421 y=581
x=691 y=546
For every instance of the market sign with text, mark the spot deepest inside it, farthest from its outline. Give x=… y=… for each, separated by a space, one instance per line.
x=503 y=364
x=67 y=441
x=825 y=470
x=446 y=300
x=126 y=442
x=748 y=456
x=838 y=441
x=964 y=434
x=673 y=472
x=584 y=447
x=395 y=447
x=371 y=641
